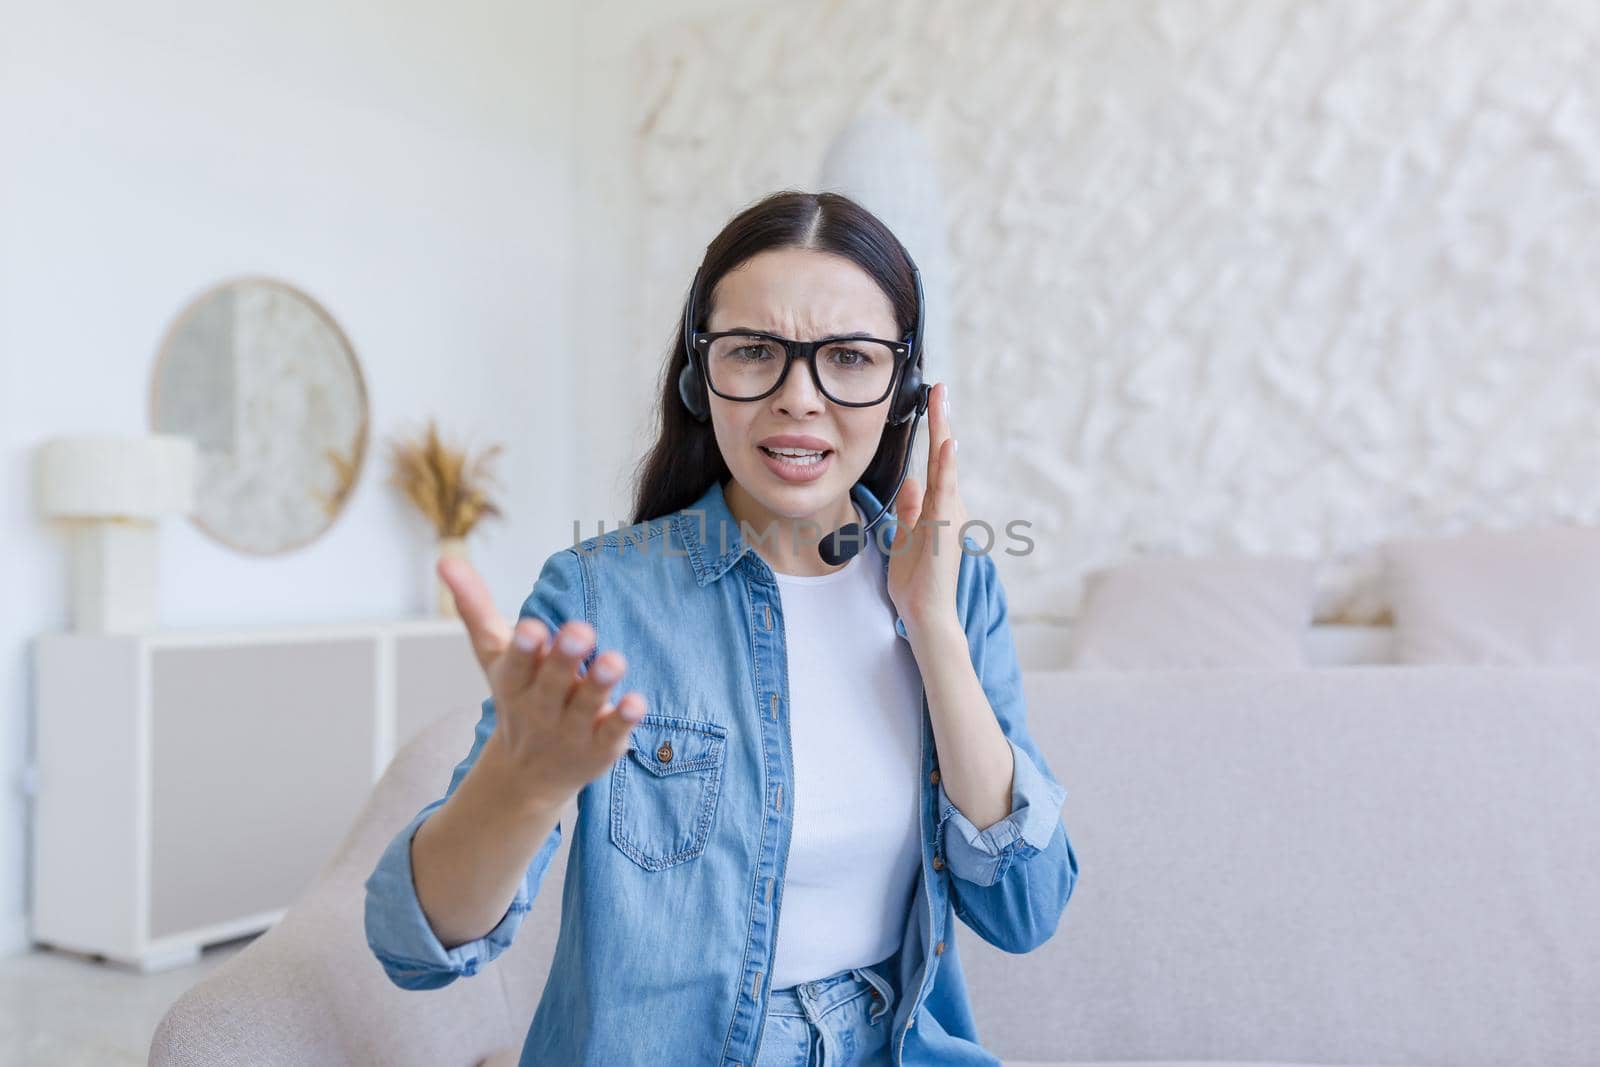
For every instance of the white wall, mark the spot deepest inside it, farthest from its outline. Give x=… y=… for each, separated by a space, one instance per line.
x=617 y=379
x=408 y=164
x=1224 y=277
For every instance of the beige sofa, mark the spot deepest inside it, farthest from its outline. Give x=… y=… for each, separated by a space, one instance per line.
x=1336 y=865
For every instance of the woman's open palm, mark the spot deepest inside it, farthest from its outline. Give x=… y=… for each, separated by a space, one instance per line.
x=555 y=726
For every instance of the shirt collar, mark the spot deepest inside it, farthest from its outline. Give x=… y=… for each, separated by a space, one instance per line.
x=712 y=537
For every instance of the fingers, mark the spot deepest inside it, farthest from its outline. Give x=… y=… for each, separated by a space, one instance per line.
x=947 y=445
x=590 y=694
x=941 y=499
x=485 y=628
x=947 y=470
x=589 y=714
x=558 y=671
x=618 y=720
x=938 y=431
x=530 y=641
x=908 y=509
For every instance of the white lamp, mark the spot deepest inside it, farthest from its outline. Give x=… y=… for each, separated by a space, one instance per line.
x=112 y=490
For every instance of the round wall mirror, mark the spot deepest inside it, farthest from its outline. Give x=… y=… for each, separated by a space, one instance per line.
x=268 y=387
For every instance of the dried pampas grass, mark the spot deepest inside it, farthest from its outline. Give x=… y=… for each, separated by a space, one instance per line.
x=450 y=490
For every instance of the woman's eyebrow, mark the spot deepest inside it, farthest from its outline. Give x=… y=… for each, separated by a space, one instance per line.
x=857 y=335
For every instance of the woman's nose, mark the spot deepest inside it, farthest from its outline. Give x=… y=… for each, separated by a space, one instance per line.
x=798 y=395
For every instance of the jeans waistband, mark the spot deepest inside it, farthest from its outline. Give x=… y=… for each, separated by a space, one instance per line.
x=826 y=994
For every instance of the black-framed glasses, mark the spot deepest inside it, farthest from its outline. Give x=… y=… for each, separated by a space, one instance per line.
x=853 y=371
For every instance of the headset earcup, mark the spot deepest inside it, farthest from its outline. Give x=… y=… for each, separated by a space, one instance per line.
x=692 y=391
x=905 y=398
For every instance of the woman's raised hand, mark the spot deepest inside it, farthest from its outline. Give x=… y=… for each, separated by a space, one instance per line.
x=925 y=559
x=556 y=729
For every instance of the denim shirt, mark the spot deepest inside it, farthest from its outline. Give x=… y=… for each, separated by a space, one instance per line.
x=674 y=880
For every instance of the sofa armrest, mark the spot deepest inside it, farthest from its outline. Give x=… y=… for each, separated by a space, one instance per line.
x=309 y=990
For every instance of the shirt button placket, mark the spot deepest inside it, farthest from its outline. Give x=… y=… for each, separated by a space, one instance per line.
x=768 y=624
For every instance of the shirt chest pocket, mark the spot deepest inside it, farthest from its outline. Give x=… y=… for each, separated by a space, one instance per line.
x=664 y=790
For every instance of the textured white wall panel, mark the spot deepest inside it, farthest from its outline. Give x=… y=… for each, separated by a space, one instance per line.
x=1263 y=277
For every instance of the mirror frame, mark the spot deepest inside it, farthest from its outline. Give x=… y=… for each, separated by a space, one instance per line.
x=189 y=309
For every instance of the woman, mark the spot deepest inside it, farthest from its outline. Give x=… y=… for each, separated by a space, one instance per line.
x=779 y=821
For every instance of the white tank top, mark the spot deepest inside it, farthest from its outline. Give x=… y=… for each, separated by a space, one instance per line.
x=855 y=715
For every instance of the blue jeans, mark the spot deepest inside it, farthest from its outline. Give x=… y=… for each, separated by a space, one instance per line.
x=839 y=1021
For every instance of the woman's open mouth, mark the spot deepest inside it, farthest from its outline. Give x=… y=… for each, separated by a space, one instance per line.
x=796 y=464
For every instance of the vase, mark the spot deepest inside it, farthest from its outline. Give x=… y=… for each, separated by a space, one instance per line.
x=444 y=600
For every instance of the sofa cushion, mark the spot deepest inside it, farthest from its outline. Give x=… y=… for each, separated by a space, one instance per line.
x=1515 y=597
x=1204 y=612
x=1346 y=865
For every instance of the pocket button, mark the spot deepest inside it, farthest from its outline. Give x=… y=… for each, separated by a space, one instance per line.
x=664 y=753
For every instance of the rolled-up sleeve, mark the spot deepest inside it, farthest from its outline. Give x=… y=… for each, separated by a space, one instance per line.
x=1010 y=881
x=397 y=929
x=983 y=856
x=402 y=939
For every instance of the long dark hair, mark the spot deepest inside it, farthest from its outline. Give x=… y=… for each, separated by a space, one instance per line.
x=685 y=460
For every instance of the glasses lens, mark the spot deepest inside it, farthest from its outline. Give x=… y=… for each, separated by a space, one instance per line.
x=852 y=372
x=744 y=367
x=856 y=372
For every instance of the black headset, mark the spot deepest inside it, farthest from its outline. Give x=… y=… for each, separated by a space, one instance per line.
x=910 y=402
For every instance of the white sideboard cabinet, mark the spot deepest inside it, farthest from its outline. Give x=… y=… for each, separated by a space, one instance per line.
x=189 y=784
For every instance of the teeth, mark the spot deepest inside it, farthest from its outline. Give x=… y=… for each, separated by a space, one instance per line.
x=795 y=456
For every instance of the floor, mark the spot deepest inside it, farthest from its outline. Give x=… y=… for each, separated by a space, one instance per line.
x=62 y=1010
